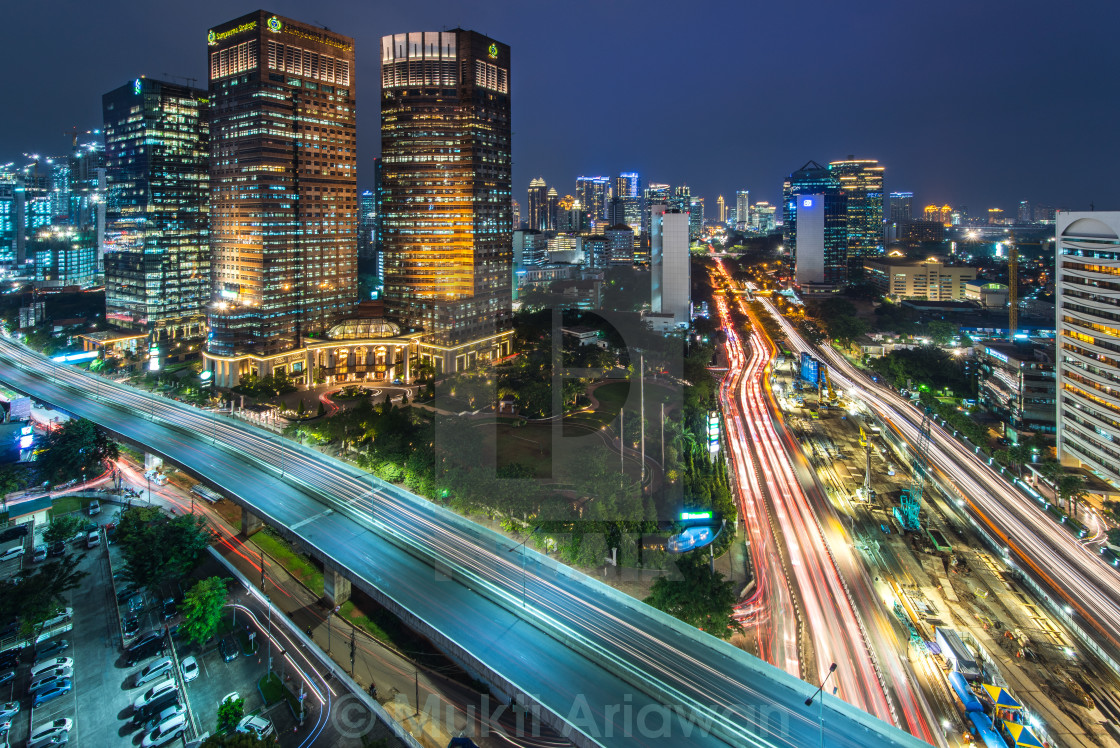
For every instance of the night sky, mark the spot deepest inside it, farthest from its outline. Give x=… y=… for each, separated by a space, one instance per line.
x=975 y=103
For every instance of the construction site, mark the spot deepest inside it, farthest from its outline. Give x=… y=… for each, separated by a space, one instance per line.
x=936 y=572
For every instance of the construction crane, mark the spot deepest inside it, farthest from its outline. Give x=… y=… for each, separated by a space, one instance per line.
x=911 y=504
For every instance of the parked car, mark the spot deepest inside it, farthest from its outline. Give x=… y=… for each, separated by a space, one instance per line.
x=42 y=666
x=159 y=704
x=227 y=650
x=126 y=593
x=7 y=677
x=11 y=533
x=256 y=725
x=50 y=740
x=65 y=615
x=58 y=725
x=39 y=553
x=145 y=645
x=50 y=680
x=10 y=658
x=94 y=508
x=93 y=539
x=154 y=670
x=56 y=549
x=131 y=626
x=165 y=714
x=135 y=603
x=49 y=649
x=189 y=666
x=166 y=731
x=169 y=608
x=49 y=694
x=153 y=693
x=8 y=710
x=12 y=553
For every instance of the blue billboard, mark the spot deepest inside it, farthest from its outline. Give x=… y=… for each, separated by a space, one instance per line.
x=809 y=368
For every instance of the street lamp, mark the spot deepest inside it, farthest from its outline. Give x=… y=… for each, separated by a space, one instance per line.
x=268 y=600
x=820 y=690
x=522 y=546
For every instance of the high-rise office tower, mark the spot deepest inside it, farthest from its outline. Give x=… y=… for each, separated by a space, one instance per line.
x=762 y=217
x=742 y=208
x=1025 y=213
x=861 y=181
x=628 y=192
x=595 y=194
x=899 y=214
x=1088 y=341
x=902 y=206
x=681 y=199
x=7 y=217
x=515 y=214
x=157 y=157
x=538 y=204
x=655 y=194
x=821 y=188
x=283 y=182
x=367 y=225
x=445 y=143
x=670 y=271
x=695 y=218
x=552 y=207
x=721 y=209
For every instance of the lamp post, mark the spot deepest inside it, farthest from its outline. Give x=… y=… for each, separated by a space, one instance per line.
x=522 y=546
x=820 y=690
x=268 y=600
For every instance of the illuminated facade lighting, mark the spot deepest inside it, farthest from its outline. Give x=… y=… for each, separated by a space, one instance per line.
x=284 y=199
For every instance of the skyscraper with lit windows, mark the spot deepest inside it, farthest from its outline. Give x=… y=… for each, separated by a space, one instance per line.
x=445 y=145
x=861 y=181
x=157 y=156
x=283 y=179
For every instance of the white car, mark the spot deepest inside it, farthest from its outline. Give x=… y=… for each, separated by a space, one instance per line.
x=58 y=725
x=154 y=693
x=42 y=666
x=12 y=553
x=190 y=669
x=39 y=553
x=51 y=734
x=257 y=726
x=166 y=731
x=166 y=714
x=62 y=617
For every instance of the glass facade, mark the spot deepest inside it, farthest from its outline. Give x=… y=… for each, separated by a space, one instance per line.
x=157 y=259
x=446 y=190
x=814 y=179
x=283 y=178
x=861 y=181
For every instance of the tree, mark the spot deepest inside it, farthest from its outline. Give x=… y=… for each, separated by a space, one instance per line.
x=62 y=527
x=1114 y=536
x=230 y=713
x=37 y=597
x=159 y=549
x=76 y=446
x=202 y=609
x=701 y=599
x=1072 y=488
x=942 y=333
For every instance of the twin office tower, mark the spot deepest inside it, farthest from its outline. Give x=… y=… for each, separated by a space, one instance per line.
x=234 y=210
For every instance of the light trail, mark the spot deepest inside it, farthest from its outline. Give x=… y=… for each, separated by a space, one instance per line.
x=1049 y=551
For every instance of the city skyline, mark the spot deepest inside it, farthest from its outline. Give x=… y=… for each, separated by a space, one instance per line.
x=941 y=131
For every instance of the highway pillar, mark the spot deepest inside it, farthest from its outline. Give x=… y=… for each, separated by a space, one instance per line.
x=336 y=587
x=250 y=523
x=152 y=462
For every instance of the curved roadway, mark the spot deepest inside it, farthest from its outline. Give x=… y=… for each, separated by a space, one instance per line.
x=610 y=670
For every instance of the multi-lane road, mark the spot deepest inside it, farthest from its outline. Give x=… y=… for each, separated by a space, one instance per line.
x=1044 y=550
x=833 y=590
x=600 y=665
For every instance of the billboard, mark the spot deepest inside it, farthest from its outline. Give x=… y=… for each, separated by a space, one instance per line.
x=810 y=368
x=21 y=409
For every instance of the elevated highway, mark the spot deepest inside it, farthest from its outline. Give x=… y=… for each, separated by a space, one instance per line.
x=596 y=665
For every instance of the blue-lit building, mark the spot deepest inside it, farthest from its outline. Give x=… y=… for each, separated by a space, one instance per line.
x=157 y=263
x=824 y=259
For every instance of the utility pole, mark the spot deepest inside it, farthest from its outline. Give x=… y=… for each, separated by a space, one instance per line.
x=352 y=634
x=820 y=690
x=622 y=441
x=262 y=571
x=642 y=404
